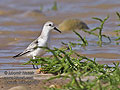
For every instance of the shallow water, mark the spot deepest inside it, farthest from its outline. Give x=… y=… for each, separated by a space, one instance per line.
x=21 y=22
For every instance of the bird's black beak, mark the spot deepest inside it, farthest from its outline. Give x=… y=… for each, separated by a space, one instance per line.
x=57 y=29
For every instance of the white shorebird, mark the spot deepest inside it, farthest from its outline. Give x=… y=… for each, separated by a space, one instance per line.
x=43 y=40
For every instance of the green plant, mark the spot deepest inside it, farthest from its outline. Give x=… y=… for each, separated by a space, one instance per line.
x=84 y=41
x=76 y=68
x=100 y=29
x=117 y=31
x=118 y=36
x=70 y=65
x=64 y=65
x=55 y=7
x=82 y=44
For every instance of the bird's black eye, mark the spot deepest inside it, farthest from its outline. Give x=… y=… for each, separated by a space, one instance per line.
x=50 y=25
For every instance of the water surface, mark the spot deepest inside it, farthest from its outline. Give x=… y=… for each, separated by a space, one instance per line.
x=21 y=22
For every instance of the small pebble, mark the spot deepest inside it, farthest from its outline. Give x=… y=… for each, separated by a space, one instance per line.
x=19 y=88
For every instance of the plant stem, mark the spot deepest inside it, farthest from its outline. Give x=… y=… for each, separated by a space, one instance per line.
x=100 y=37
x=76 y=82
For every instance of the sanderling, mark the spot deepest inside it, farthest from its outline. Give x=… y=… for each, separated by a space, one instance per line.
x=43 y=40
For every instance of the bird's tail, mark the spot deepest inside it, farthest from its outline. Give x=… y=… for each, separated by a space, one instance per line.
x=18 y=55
x=21 y=54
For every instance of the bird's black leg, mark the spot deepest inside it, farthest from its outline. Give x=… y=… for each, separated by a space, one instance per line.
x=36 y=65
x=33 y=66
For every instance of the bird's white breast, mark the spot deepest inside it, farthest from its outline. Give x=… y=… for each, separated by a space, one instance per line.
x=39 y=51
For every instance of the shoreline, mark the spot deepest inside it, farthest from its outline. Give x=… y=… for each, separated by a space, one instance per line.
x=32 y=80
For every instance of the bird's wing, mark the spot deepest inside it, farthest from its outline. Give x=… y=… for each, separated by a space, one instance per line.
x=30 y=48
x=33 y=45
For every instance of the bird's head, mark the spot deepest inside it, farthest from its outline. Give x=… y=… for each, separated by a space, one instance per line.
x=50 y=26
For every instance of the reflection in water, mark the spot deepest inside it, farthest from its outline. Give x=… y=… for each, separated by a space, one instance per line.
x=21 y=22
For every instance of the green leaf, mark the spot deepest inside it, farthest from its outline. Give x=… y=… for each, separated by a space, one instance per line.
x=97 y=19
x=55 y=7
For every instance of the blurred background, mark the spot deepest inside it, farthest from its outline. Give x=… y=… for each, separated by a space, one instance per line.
x=21 y=22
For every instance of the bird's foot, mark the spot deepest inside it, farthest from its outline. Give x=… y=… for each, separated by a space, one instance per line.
x=41 y=70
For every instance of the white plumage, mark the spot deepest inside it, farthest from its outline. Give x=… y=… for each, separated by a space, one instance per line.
x=43 y=40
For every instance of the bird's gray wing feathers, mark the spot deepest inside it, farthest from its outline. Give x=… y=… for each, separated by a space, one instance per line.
x=33 y=45
x=30 y=48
